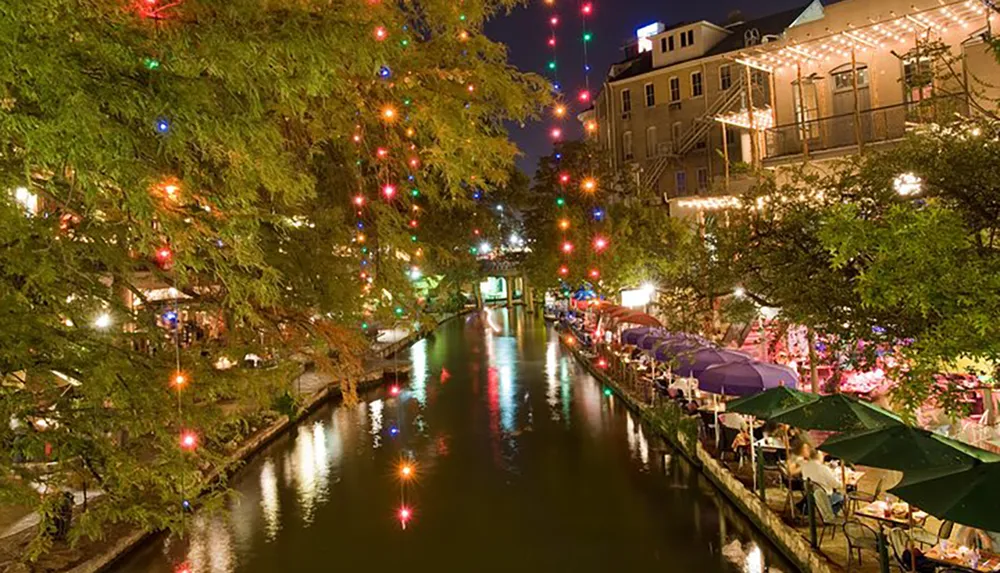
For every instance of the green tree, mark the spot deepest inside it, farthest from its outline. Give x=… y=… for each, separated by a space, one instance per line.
x=920 y=243
x=216 y=149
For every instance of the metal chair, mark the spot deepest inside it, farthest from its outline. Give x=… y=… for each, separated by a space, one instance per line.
x=859 y=536
x=824 y=511
x=924 y=537
x=856 y=497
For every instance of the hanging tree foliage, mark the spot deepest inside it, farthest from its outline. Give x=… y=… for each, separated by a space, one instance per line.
x=211 y=150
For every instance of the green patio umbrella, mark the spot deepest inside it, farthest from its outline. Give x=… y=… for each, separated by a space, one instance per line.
x=837 y=413
x=765 y=404
x=967 y=495
x=904 y=448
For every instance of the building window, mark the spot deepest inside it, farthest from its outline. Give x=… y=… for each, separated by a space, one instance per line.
x=627 y=152
x=702 y=179
x=675 y=132
x=684 y=39
x=651 y=150
x=663 y=44
x=650 y=95
x=725 y=77
x=670 y=43
x=681 y=180
x=696 y=88
x=757 y=77
x=690 y=34
x=807 y=111
x=675 y=89
x=918 y=78
x=626 y=101
x=842 y=80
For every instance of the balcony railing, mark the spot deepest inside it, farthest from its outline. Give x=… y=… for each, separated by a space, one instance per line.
x=877 y=125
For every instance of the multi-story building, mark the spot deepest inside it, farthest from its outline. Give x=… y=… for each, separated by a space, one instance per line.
x=823 y=81
x=866 y=71
x=656 y=113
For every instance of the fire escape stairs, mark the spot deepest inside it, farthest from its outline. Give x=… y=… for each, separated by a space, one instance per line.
x=726 y=101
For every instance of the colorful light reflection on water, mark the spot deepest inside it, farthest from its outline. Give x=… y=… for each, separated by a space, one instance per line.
x=524 y=465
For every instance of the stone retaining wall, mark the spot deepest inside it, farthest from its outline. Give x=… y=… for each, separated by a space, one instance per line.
x=795 y=547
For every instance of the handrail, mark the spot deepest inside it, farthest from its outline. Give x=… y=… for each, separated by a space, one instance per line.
x=874 y=125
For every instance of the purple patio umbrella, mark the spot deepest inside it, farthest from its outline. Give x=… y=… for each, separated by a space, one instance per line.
x=746 y=378
x=669 y=349
x=632 y=335
x=693 y=362
x=654 y=338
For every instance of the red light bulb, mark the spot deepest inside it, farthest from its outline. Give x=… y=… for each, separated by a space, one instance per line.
x=600 y=243
x=584 y=96
x=564 y=270
x=389 y=191
x=567 y=247
x=381 y=33
x=587 y=9
x=564 y=178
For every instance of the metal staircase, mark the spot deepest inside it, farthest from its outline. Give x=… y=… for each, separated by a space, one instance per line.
x=695 y=133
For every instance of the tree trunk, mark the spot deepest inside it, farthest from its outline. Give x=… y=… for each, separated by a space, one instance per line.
x=813 y=371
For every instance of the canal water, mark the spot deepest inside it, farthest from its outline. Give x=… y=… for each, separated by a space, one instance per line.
x=521 y=462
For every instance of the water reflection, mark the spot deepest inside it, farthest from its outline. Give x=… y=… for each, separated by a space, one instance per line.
x=637 y=443
x=375 y=413
x=552 y=377
x=419 y=374
x=311 y=470
x=269 y=502
x=211 y=547
x=530 y=493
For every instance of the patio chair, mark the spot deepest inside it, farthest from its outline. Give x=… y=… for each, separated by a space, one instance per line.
x=824 y=513
x=856 y=498
x=924 y=537
x=859 y=537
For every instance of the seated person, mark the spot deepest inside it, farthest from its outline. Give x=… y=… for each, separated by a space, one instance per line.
x=814 y=470
x=741 y=444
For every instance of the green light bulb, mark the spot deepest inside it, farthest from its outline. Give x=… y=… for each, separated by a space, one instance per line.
x=552 y=65
x=151 y=63
x=415 y=192
x=560 y=201
x=588 y=37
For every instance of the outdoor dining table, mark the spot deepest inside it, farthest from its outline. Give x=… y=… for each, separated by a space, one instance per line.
x=875 y=511
x=988 y=562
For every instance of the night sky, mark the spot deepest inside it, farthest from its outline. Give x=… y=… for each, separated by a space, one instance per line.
x=526 y=32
